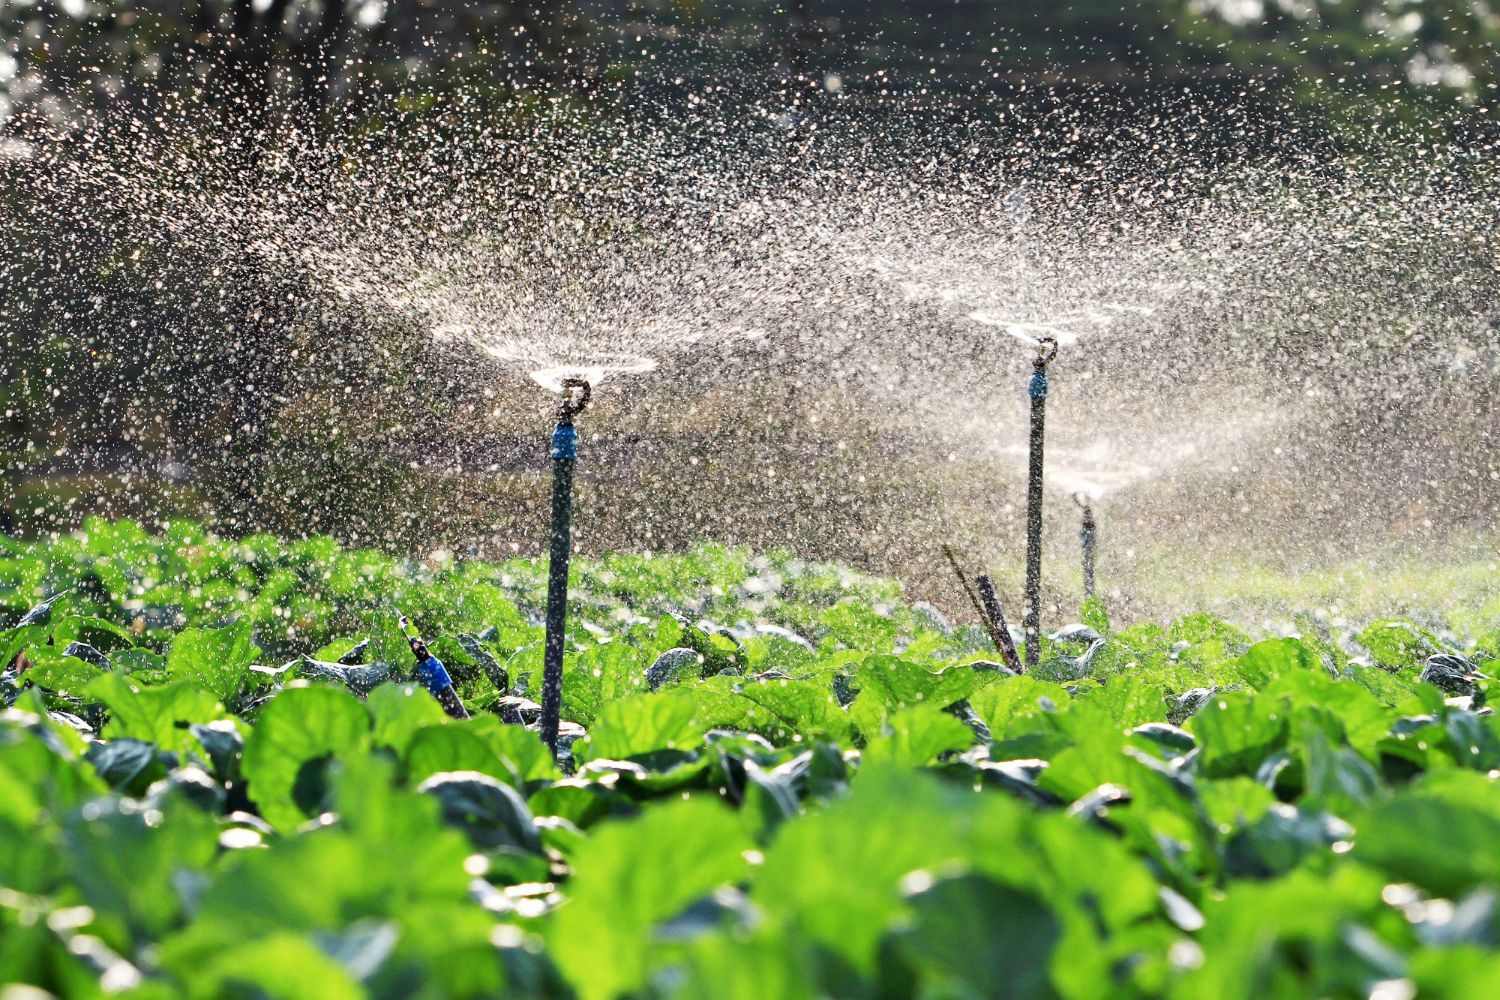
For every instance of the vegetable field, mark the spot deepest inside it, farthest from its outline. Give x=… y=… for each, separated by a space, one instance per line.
x=780 y=780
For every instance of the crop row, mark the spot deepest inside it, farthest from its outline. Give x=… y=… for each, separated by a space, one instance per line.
x=216 y=779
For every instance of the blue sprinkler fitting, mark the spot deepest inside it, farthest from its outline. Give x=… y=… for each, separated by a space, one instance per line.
x=565 y=443
x=576 y=392
x=433 y=676
x=1037 y=388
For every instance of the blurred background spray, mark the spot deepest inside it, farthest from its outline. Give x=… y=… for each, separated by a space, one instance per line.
x=312 y=267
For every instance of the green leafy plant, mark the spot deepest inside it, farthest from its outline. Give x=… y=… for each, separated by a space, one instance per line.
x=794 y=809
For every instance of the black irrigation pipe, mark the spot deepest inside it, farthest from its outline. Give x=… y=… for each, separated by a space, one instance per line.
x=564 y=456
x=1037 y=390
x=1088 y=537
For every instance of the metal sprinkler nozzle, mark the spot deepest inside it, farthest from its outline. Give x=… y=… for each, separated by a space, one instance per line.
x=1046 y=352
x=571 y=406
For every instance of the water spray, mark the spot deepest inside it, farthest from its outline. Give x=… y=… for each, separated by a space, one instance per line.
x=575 y=397
x=1088 y=537
x=1037 y=390
x=432 y=675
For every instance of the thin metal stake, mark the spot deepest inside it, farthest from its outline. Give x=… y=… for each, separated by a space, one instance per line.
x=564 y=455
x=998 y=626
x=990 y=615
x=963 y=581
x=1037 y=389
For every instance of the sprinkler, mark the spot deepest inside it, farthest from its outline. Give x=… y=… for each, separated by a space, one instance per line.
x=575 y=396
x=432 y=675
x=1088 y=536
x=1037 y=390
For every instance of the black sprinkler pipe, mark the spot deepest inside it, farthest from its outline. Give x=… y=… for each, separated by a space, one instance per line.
x=576 y=392
x=1037 y=390
x=1088 y=537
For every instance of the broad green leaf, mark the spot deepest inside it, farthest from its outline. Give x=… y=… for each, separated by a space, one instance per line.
x=919 y=735
x=217 y=659
x=297 y=730
x=638 y=725
x=159 y=715
x=123 y=854
x=1010 y=705
x=492 y=813
x=55 y=672
x=281 y=965
x=726 y=966
x=985 y=938
x=1462 y=971
x=14 y=641
x=41 y=778
x=833 y=876
x=137 y=661
x=389 y=857
x=598 y=677
x=485 y=607
x=1334 y=777
x=1284 y=937
x=1347 y=711
x=1398 y=646
x=896 y=683
x=1273 y=658
x=783 y=711
x=1439 y=843
x=519 y=749
x=441 y=748
x=853 y=623
x=398 y=711
x=1233 y=802
x=632 y=876
x=106 y=635
x=1236 y=732
x=511 y=753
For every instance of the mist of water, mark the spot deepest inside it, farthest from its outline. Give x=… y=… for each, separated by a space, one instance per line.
x=1246 y=347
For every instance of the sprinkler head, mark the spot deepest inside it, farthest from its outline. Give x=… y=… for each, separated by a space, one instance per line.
x=1046 y=352
x=575 y=397
x=576 y=393
x=1088 y=512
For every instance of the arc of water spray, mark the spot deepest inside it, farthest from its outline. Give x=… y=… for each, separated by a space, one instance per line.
x=1037 y=390
x=564 y=455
